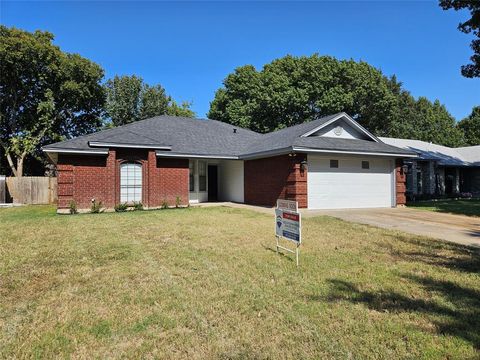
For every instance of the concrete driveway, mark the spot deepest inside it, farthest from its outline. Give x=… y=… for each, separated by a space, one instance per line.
x=461 y=229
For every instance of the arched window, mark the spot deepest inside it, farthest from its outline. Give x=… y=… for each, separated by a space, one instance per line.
x=130 y=182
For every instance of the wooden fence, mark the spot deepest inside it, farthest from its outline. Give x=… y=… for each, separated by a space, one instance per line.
x=32 y=189
x=3 y=190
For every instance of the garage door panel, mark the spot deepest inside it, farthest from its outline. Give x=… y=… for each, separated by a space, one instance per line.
x=349 y=186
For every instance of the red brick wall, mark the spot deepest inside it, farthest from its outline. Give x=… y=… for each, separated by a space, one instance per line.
x=168 y=178
x=82 y=177
x=279 y=177
x=400 y=183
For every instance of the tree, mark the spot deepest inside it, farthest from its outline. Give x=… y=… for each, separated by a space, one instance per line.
x=183 y=109
x=471 y=127
x=291 y=90
x=129 y=99
x=472 y=25
x=124 y=94
x=423 y=120
x=45 y=94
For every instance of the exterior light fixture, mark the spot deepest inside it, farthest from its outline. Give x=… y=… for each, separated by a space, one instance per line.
x=303 y=165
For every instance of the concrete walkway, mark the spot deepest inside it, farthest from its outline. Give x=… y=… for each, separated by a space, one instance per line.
x=460 y=229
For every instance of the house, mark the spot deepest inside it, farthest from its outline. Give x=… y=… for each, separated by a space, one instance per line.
x=440 y=170
x=331 y=162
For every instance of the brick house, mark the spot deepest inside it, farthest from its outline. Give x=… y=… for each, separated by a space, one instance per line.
x=331 y=162
x=440 y=170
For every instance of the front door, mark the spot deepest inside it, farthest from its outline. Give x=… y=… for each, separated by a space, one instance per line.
x=212 y=183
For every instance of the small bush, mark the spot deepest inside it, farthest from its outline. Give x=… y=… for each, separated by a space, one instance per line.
x=96 y=207
x=178 y=202
x=72 y=207
x=137 y=206
x=121 y=207
x=165 y=204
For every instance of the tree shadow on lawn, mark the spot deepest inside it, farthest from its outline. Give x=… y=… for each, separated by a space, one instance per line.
x=459 y=207
x=435 y=252
x=459 y=316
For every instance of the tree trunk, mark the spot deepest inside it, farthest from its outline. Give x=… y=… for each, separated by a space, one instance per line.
x=10 y=162
x=20 y=165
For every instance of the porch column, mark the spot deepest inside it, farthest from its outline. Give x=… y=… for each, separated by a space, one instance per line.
x=456 y=185
x=430 y=186
x=414 y=178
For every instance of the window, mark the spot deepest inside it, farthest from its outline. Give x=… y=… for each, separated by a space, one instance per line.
x=130 y=182
x=334 y=164
x=365 y=164
x=202 y=176
x=191 y=166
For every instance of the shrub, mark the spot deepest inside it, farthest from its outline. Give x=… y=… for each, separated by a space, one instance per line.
x=72 y=207
x=96 y=207
x=165 y=204
x=178 y=201
x=137 y=206
x=121 y=207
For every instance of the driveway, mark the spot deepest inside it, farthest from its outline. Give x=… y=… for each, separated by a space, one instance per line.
x=461 y=229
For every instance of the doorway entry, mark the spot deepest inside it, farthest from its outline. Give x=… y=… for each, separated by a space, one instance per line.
x=212 y=183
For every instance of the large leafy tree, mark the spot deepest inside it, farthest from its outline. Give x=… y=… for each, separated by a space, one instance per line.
x=45 y=94
x=293 y=90
x=422 y=120
x=130 y=99
x=472 y=25
x=471 y=127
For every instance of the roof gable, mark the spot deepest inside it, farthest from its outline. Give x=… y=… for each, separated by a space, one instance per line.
x=342 y=126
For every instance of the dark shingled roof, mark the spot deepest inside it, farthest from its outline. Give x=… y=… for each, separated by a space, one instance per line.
x=214 y=138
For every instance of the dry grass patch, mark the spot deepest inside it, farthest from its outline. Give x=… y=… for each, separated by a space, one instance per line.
x=206 y=283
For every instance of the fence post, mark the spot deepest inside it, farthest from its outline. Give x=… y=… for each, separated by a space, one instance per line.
x=2 y=189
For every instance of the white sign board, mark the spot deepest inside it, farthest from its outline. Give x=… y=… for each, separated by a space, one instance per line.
x=288 y=205
x=288 y=225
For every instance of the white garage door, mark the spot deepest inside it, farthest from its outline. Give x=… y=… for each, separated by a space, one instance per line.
x=349 y=182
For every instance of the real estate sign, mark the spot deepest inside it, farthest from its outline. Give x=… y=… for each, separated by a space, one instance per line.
x=288 y=205
x=287 y=225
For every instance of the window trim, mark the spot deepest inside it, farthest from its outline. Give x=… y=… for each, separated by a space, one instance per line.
x=191 y=167
x=206 y=178
x=126 y=163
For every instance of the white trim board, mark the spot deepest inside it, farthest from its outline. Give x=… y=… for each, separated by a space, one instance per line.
x=69 y=151
x=349 y=120
x=310 y=150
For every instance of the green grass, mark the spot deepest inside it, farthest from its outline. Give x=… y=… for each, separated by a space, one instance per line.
x=462 y=207
x=206 y=283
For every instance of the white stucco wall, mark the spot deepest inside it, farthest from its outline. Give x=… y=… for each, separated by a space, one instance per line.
x=230 y=181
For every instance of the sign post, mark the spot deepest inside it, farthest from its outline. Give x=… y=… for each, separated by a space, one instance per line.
x=288 y=225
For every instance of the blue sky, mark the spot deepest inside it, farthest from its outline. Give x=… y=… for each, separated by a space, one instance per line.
x=189 y=48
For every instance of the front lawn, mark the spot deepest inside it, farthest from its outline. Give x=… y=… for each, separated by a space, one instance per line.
x=206 y=283
x=462 y=207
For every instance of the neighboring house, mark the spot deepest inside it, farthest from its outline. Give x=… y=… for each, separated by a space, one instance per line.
x=440 y=170
x=331 y=162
